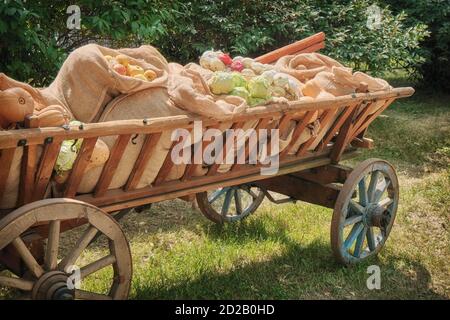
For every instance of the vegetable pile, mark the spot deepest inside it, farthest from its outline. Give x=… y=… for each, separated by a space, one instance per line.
x=121 y=64
x=253 y=81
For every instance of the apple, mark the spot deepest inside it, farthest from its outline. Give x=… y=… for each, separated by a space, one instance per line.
x=120 y=69
x=237 y=66
x=140 y=76
x=150 y=75
x=123 y=59
x=226 y=59
x=134 y=70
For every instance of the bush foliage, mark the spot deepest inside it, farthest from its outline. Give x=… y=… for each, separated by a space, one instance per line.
x=35 y=39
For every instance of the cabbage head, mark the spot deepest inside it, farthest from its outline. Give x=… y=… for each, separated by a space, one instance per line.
x=221 y=83
x=258 y=87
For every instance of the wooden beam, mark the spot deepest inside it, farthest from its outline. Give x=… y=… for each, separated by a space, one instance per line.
x=342 y=138
x=147 y=149
x=111 y=165
x=45 y=169
x=301 y=126
x=6 y=158
x=27 y=174
x=304 y=190
x=325 y=174
x=79 y=167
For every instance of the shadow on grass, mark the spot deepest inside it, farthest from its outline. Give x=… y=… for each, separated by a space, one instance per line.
x=300 y=271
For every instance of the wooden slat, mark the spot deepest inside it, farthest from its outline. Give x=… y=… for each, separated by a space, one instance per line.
x=79 y=167
x=45 y=169
x=249 y=149
x=167 y=165
x=111 y=165
x=6 y=158
x=215 y=166
x=192 y=167
x=291 y=48
x=325 y=119
x=342 y=138
x=337 y=125
x=28 y=174
x=147 y=149
x=298 y=132
x=372 y=117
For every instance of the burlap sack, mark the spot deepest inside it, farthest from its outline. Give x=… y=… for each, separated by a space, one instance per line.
x=189 y=90
x=86 y=82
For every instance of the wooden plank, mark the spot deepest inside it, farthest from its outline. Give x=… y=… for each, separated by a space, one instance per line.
x=304 y=190
x=342 y=138
x=325 y=174
x=10 y=138
x=369 y=120
x=176 y=190
x=6 y=158
x=249 y=149
x=167 y=164
x=27 y=174
x=337 y=125
x=365 y=143
x=45 y=169
x=215 y=166
x=83 y=157
x=301 y=126
x=172 y=189
x=291 y=48
x=147 y=149
x=325 y=120
x=198 y=152
x=111 y=165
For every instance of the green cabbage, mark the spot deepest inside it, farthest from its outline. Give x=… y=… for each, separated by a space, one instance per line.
x=222 y=83
x=240 y=92
x=258 y=87
x=238 y=80
x=68 y=152
x=252 y=101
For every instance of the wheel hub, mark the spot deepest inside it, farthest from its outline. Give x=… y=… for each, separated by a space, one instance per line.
x=53 y=286
x=375 y=215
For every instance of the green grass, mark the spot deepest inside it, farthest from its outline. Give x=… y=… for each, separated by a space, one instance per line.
x=283 y=251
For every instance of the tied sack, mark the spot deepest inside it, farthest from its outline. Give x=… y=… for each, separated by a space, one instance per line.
x=86 y=83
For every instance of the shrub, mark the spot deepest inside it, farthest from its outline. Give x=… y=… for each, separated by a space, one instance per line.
x=35 y=40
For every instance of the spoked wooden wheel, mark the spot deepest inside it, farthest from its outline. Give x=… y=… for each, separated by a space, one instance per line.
x=365 y=211
x=230 y=204
x=53 y=279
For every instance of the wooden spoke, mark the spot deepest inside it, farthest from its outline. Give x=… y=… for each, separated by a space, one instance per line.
x=238 y=201
x=27 y=257
x=217 y=194
x=352 y=220
x=380 y=192
x=51 y=254
x=227 y=202
x=362 y=190
x=385 y=202
x=373 y=185
x=17 y=283
x=97 y=265
x=86 y=295
x=371 y=239
x=76 y=251
x=354 y=233
x=360 y=242
x=356 y=207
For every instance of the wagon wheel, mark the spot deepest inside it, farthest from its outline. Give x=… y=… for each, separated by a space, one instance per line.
x=364 y=211
x=230 y=204
x=52 y=278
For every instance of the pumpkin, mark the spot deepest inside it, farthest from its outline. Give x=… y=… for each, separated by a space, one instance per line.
x=15 y=105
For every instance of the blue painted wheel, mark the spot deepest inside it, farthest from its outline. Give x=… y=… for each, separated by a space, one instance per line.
x=364 y=212
x=230 y=204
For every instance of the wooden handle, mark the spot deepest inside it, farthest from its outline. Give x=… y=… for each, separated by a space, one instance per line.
x=292 y=48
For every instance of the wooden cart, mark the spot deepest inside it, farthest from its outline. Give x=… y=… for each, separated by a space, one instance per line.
x=364 y=199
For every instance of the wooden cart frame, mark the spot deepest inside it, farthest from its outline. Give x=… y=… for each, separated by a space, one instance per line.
x=308 y=175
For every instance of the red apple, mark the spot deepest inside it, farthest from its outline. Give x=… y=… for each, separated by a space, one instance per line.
x=237 y=66
x=226 y=59
x=120 y=69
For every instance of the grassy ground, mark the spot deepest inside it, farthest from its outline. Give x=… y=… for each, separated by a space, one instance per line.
x=283 y=251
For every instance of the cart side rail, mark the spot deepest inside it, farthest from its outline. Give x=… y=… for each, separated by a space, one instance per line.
x=342 y=120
